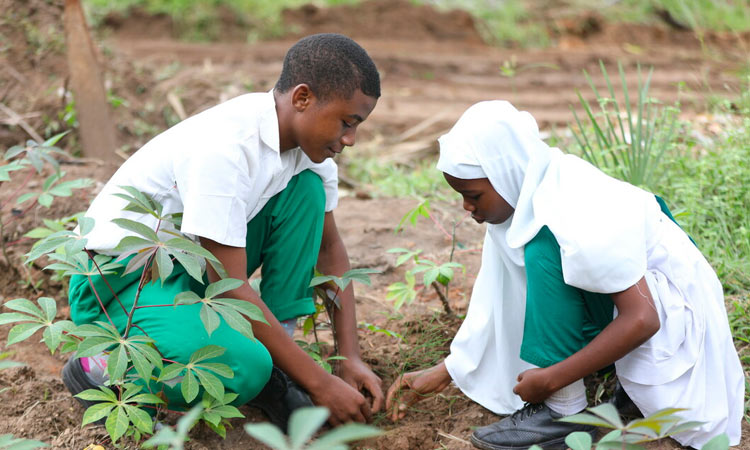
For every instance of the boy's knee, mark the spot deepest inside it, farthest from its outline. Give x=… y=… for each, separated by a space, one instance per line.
x=251 y=376
x=310 y=187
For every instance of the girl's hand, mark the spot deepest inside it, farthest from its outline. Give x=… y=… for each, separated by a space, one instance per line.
x=415 y=386
x=534 y=385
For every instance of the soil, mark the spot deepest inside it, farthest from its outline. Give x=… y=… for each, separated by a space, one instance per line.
x=433 y=65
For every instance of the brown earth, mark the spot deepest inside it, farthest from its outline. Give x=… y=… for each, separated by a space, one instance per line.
x=433 y=66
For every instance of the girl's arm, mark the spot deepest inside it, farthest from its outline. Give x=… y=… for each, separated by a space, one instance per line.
x=636 y=321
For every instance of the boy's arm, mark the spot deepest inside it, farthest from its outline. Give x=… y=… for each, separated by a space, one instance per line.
x=333 y=260
x=345 y=403
x=636 y=321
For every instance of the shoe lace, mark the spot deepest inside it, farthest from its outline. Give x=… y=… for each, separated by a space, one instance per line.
x=527 y=411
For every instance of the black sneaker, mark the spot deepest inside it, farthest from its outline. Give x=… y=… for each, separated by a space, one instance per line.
x=532 y=424
x=279 y=398
x=75 y=379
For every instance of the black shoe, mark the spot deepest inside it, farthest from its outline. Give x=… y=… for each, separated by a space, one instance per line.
x=76 y=380
x=625 y=406
x=532 y=424
x=279 y=398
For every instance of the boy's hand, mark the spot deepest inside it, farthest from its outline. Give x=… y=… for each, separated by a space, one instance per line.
x=359 y=376
x=534 y=385
x=345 y=403
x=416 y=385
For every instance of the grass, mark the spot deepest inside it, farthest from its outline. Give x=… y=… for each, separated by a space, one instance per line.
x=200 y=20
x=390 y=180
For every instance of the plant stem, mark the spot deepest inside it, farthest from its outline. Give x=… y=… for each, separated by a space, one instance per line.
x=98 y=269
x=96 y=294
x=140 y=286
x=138 y=294
x=443 y=298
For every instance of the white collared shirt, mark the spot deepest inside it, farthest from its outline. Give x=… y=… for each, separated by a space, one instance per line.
x=219 y=168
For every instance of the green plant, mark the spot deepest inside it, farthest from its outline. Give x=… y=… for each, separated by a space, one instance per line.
x=133 y=359
x=661 y=424
x=8 y=442
x=627 y=141
x=436 y=275
x=326 y=290
x=303 y=424
x=174 y=438
x=30 y=159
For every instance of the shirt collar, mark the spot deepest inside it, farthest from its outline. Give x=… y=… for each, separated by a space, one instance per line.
x=269 y=122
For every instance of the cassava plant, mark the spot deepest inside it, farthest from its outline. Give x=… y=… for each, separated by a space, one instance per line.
x=29 y=161
x=327 y=290
x=434 y=274
x=632 y=435
x=134 y=359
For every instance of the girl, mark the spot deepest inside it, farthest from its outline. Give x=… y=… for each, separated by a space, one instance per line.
x=579 y=271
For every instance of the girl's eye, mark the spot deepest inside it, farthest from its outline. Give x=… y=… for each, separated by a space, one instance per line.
x=346 y=125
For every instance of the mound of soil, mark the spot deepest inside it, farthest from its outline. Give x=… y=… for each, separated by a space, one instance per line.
x=386 y=19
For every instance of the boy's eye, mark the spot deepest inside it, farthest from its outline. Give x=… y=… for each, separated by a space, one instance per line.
x=346 y=125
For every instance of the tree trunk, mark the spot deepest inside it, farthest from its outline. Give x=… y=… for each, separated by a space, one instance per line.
x=96 y=126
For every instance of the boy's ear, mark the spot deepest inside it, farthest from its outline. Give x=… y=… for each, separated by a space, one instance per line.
x=302 y=97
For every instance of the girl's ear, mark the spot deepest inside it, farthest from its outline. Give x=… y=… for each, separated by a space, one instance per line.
x=302 y=97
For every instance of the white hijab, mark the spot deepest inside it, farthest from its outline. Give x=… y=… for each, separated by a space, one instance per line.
x=600 y=223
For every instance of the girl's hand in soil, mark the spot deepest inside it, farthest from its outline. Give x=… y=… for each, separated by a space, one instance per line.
x=534 y=385
x=359 y=376
x=415 y=385
x=345 y=403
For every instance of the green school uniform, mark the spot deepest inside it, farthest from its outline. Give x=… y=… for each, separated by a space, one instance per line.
x=284 y=238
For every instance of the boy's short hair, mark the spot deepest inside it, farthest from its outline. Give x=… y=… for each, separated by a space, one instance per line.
x=332 y=65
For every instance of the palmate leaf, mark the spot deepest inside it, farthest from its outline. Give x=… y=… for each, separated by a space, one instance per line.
x=578 y=440
x=139 y=202
x=6 y=169
x=267 y=434
x=304 y=423
x=117 y=423
x=9 y=442
x=175 y=439
x=197 y=373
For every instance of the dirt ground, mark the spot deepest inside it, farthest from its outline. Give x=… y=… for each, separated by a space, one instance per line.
x=433 y=65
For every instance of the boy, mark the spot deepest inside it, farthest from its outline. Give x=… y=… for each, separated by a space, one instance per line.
x=256 y=184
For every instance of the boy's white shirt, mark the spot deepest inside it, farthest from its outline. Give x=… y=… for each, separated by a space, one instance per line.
x=219 y=168
x=610 y=235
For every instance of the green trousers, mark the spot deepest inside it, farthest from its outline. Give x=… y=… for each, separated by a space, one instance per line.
x=283 y=239
x=560 y=319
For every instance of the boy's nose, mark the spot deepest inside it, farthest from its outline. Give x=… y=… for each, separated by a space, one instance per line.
x=468 y=206
x=348 y=139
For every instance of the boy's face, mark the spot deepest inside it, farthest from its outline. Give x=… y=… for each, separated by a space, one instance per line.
x=323 y=129
x=481 y=199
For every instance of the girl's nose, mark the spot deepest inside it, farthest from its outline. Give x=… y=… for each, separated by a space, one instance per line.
x=469 y=206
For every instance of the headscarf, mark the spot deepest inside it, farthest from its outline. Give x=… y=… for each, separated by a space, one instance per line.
x=600 y=223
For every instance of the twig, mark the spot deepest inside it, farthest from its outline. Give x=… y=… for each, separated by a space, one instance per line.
x=89 y=253
x=17 y=119
x=455 y=438
x=443 y=299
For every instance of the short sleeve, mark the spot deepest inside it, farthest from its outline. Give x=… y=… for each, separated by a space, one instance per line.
x=214 y=187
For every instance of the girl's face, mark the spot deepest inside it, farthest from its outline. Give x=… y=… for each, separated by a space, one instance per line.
x=481 y=199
